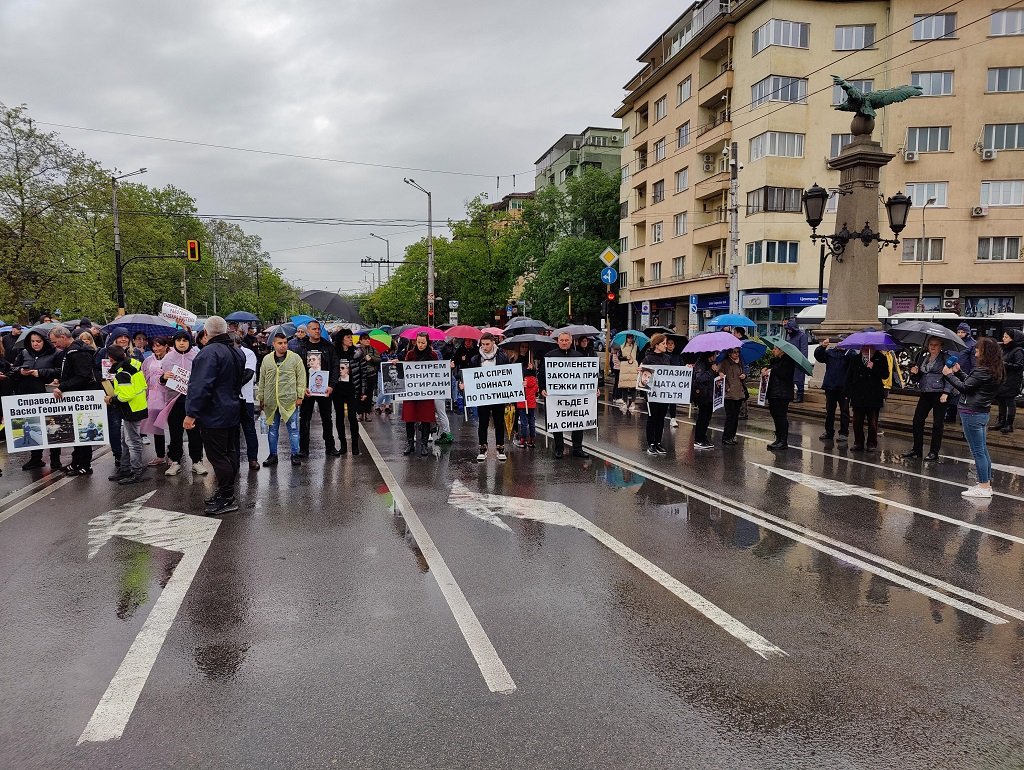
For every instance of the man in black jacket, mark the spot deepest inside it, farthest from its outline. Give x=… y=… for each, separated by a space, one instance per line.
x=317 y=354
x=836 y=362
x=75 y=374
x=780 y=371
x=565 y=349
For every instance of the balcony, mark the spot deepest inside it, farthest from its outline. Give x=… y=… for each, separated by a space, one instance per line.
x=714 y=228
x=710 y=94
x=713 y=185
x=718 y=130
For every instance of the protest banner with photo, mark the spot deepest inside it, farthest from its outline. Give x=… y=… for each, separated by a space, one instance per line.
x=568 y=413
x=178 y=381
x=426 y=380
x=392 y=379
x=493 y=385
x=570 y=376
x=40 y=421
x=343 y=370
x=665 y=384
x=317 y=382
x=178 y=314
x=718 y=399
x=762 y=391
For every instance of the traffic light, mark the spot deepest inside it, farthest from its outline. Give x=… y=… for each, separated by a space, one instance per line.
x=612 y=295
x=192 y=250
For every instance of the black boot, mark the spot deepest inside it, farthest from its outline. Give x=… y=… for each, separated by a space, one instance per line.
x=409 y=448
x=424 y=438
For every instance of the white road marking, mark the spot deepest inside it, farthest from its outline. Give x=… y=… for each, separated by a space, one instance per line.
x=49 y=489
x=845 y=458
x=172 y=531
x=842 y=489
x=1014 y=470
x=494 y=672
x=488 y=507
x=881 y=566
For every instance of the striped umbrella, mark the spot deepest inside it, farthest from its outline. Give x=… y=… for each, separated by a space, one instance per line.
x=379 y=339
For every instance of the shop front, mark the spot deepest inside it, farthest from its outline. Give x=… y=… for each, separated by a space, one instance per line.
x=771 y=310
x=704 y=307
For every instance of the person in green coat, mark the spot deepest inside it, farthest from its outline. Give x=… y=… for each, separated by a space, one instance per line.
x=279 y=392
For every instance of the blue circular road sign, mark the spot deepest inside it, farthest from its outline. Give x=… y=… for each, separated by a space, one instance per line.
x=609 y=275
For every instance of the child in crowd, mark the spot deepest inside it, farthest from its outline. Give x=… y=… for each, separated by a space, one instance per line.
x=527 y=410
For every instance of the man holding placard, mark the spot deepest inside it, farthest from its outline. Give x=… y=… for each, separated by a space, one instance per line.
x=568 y=383
x=490 y=383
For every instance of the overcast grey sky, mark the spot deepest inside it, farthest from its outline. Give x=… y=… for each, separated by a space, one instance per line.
x=474 y=87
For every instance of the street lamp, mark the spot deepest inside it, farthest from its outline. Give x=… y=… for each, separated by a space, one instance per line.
x=430 y=249
x=814 y=200
x=117 y=241
x=387 y=245
x=568 y=290
x=923 y=254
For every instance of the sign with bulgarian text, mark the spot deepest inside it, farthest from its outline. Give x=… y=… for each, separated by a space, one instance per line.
x=665 y=384
x=40 y=421
x=568 y=413
x=178 y=381
x=570 y=376
x=493 y=385
x=426 y=380
x=178 y=314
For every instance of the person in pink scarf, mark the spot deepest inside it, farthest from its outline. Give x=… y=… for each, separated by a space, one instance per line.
x=172 y=416
x=157 y=397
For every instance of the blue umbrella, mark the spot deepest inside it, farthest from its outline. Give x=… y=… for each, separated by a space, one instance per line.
x=150 y=325
x=5 y=329
x=732 y=319
x=242 y=316
x=750 y=351
x=302 y=320
x=642 y=340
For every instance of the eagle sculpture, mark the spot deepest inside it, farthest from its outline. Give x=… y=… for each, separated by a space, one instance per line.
x=866 y=103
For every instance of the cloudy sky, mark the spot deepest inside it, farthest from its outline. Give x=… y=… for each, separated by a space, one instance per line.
x=480 y=88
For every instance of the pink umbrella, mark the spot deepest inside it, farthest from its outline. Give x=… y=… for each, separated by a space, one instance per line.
x=432 y=334
x=493 y=330
x=463 y=332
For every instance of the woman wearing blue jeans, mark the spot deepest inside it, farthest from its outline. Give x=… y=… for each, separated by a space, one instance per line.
x=977 y=392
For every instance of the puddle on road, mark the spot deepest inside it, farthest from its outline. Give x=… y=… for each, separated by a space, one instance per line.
x=143 y=573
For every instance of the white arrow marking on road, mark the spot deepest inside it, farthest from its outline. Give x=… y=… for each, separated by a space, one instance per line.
x=189 y=535
x=1016 y=470
x=489 y=507
x=842 y=489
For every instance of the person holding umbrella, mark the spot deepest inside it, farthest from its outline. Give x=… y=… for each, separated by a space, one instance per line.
x=865 y=387
x=836 y=362
x=1013 y=364
x=934 y=393
x=780 y=372
x=735 y=393
x=798 y=339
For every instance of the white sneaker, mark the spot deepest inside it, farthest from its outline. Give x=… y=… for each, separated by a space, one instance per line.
x=674 y=423
x=977 y=491
x=145 y=441
x=501 y=454
x=619 y=401
x=481 y=456
x=173 y=469
x=199 y=469
x=631 y=409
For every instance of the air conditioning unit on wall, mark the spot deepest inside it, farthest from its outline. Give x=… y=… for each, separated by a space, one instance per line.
x=910 y=157
x=979 y=211
x=989 y=154
x=951 y=305
x=951 y=293
x=709 y=166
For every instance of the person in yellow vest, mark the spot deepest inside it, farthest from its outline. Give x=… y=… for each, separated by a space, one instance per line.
x=129 y=398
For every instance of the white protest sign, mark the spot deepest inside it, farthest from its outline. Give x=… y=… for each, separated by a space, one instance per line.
x=179 y=379
x=40 y=421
x=426 y=380
x=718 y=400
x=570 y=376
x=665 y=384
x=177 y=314
x=567 y=413
x=762 y=391
x=493 y=385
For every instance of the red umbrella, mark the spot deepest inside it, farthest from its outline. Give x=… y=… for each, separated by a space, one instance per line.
x=432 y=334
x=463 y=332
x=493 y=330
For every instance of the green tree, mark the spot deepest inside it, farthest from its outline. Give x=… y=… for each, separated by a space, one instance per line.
x=574 y=263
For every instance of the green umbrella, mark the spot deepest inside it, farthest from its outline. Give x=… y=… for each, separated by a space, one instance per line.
x=790 y=350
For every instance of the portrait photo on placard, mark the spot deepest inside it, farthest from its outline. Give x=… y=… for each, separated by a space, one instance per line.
x=27 y=431
x=60 y=429
x=90 y=426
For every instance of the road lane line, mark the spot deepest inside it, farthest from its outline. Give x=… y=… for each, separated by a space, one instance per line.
x=494 y=672
x=49 y=489
x=488 y=507
x=854 y=460
x=881 y=566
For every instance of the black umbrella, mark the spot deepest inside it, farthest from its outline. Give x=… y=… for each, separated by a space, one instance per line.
x=578 y=330
x=918 y=332
x=538 y=343
x=651 y=330
x=331 y=303
x=524 y=325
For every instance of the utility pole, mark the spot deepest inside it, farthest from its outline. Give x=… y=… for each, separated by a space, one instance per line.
x=734 y=228
x=430 y=249
x=387 y=254
x=184 y=288
x=118 y=267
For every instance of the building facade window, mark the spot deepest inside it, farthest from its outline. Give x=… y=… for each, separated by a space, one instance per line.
x=999 y=249
x=623 y=244
x=790 y=34
x=625 y=173
x=679 y=226
x=1006 y=192
x=683 y=135
x=682 y=179
x=566 y=173
x=684 y=90
x=623 y=280
x=773 y=199
x=839 y=141
x=773 y=252
x=659 y=150
x=626 y=136
x=778 y=88
x=832 y=204
x=623 y=209
x=1008 y=22
x=660 y=108
x=934 y=26
x=1004 y=136
x=933 y=83
x=516 y=204
x=914 y=250
x=928 y=139
x=920 y=192
x=657 y=232
x=854 y=37
x=839 y=95
x=658 y=191
x=679 y=266
x=778 y=144
x=1005 y=79
x=655 y=271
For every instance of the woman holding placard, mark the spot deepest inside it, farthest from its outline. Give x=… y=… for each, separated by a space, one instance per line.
x=488 y=355
x=419 y=410
x=156 y=397
x=657 y=355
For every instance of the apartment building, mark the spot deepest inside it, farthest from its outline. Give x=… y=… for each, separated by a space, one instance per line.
x=593 y=148
x=731 y=117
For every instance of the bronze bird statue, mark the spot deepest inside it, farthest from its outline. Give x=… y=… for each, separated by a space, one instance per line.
x=866 y=103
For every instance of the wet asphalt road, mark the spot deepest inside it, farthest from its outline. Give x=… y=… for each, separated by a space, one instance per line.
x=315 y=635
